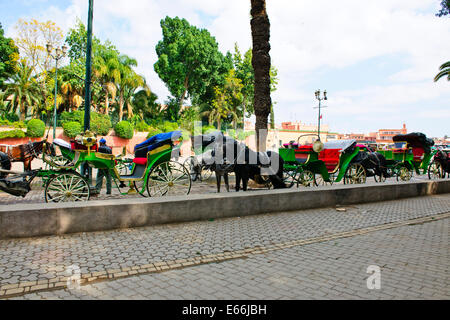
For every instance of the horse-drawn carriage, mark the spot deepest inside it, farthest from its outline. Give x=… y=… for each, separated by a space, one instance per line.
x=152 y=169
x=412 y=153
x=320 y=163
x=440 y=165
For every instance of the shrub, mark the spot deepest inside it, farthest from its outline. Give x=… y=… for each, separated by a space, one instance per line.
x=72 y=129
x=35 y=128
x=19 y=124
x=16 y=133
x=142 y=126
x=124 y=129
x=100 y=123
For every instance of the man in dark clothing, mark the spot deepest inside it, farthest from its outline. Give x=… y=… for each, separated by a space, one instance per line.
x=103 y=148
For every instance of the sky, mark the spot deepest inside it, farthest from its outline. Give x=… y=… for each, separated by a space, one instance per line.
x=376 y=58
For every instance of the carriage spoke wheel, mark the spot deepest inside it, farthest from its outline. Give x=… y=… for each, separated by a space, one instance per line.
x=321 y=182
x=404 y=174
x=289 y=178
x=67 y=187
x=356 y=174
x=140 y=187
x=435 y=170
x=168 y=179
x=307 y=179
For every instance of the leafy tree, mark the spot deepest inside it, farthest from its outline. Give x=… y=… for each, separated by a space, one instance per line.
x=245 y=72
x=32 y=39
x=189 y=61
x=25 y=91
x=9 y=55
x=445 y=8
x=260 y=27
x=445 y=72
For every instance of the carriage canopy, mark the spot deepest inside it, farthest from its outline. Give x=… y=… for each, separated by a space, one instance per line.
x=156 y=140
x=342 y=145
x=416 y=140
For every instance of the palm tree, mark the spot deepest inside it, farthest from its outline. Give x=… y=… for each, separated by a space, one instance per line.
x=107 y=71
x=260 y=26
x=445 y=71
x=129 y=82
x=25 y=91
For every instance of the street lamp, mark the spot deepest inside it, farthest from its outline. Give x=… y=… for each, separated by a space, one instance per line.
x=59 y=54
x=318 y=97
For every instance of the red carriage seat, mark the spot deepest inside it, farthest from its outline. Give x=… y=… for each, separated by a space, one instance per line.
x=141 y=161
x=330 y=157
x=77 y=146
x=302 y=153
x=418 y=153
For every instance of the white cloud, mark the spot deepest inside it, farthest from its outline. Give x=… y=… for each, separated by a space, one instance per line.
x=307 y=37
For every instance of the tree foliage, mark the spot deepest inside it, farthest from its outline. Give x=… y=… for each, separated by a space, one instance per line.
x=445 y=8
x=9 y=56
x=189 y=60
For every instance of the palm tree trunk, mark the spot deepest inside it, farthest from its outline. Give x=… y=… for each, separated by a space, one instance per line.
x=107 y=103
x=260 y=26
x=121 y=103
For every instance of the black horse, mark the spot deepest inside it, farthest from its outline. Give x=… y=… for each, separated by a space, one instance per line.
x=230 y=155
x=374 y=163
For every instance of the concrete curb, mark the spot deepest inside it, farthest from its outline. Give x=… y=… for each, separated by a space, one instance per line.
x=31 y=220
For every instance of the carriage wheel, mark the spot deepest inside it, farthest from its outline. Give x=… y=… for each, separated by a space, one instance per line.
x=124 y=168
x=404 y=174
x=307 y=179
x=356 y=174
x=189 y=164
x=140 y=188
x=321 y=182
x=59 y=161
x=168 y=179
x=289 y=178
x=435 y=171
x=67 y=187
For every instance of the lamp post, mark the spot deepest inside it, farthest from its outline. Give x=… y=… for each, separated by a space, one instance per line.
x=318 y=97
x=59 y=54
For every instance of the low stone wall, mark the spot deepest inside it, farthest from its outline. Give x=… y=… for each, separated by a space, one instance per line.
x=55 y=219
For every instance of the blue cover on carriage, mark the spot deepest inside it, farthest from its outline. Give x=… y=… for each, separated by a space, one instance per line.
x=153 y=142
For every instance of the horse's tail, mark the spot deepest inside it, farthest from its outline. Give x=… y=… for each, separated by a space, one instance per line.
x=5 y=164
x=277 y=179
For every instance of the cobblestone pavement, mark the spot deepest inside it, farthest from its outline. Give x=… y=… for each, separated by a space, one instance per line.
x=413 y=263
x=305 y=254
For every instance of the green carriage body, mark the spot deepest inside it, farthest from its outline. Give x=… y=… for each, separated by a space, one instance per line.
x=162 y=153
x=303 y=159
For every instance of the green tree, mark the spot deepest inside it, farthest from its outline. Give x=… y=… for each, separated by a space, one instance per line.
x=245 y=72
x=9 y=55
x=445 y=71
x=25 y=91
x=189 y=61
x=130 y=81
x=445 y=8
x=260 y=27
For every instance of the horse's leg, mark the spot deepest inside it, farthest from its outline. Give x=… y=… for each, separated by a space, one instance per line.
x=225 y=178
x=245 y=177
x=218 y=181
x=26 y=165
x=238 y=179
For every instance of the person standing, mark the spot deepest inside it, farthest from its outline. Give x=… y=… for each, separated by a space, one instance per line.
x=103 y=148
